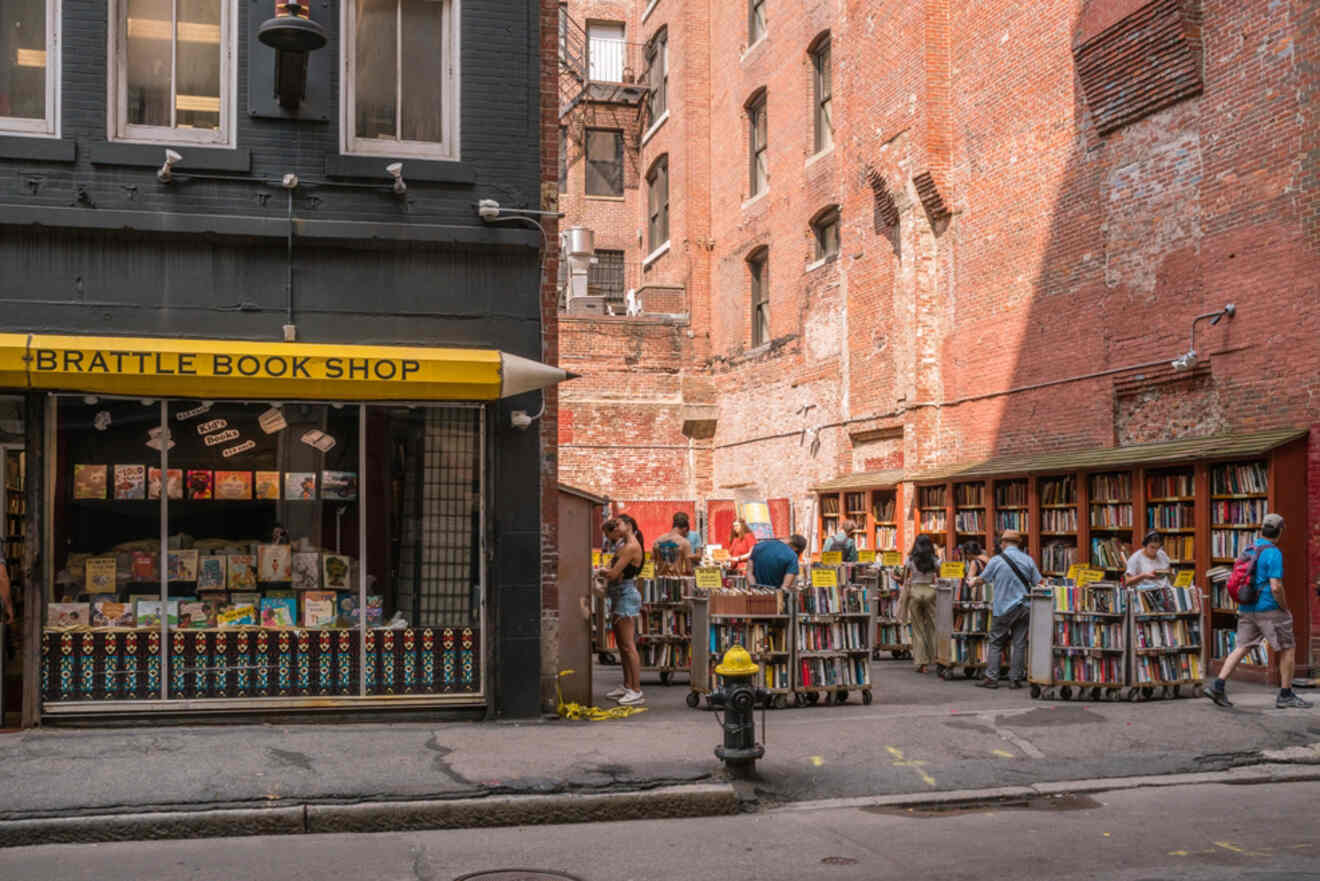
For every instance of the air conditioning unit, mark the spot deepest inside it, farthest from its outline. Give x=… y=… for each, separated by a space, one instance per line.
x=589 y=305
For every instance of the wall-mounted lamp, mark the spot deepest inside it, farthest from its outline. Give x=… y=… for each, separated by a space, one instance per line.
x=166 y=171
x=292 y=34
x=1187 y=360
x=395 y=170
x=289 y=182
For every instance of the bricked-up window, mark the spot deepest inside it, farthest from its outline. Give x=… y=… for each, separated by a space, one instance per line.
x=563 y=159
x=172 y=69
x=757 y=175
x=755 y=20
x=606 y=278
x=29 y=67
x=657 y=204
x=822 y=92
x=657 y=75
x=825 y=232
x=401 y=76
x=604 y=162
x=758 y=271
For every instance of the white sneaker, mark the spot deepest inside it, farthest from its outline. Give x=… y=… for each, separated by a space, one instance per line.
x=616 y=693
x=632 y=699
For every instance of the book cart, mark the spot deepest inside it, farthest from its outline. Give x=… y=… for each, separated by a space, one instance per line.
x=603 y=644
x=759 y=620
x=963 y=613
x=664 y=626
x=1166 y=643
x=833 y=631
x=892 y=634
x=1077 y=647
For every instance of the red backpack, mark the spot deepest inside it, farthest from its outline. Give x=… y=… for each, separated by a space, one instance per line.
x=1242 y=582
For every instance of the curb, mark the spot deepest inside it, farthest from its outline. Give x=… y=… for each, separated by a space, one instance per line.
x=1242 y=776
x=669 y=802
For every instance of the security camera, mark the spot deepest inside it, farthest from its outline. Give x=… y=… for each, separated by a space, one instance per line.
x=520 y=419
x=166 y=171
x=488 y=209
x=395 y=170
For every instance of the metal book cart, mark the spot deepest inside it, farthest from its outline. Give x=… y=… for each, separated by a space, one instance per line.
x=602 y=636
x=833 y=635
x=664 y=627
x=963 y=614
x=742 y=618
x=1078 y=641
x=1166 y=643
x=892 y=634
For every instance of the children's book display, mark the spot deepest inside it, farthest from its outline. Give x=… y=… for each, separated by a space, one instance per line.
x=664 y=626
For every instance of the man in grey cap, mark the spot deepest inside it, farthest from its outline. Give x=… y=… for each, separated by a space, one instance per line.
x=1267 y=619
x=1013 y=574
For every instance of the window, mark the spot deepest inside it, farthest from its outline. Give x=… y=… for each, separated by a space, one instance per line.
x=657 y=75
x=758 y=268
x=401 y=75
x=825 y=230
x=605 y=277
x=657 y=202
x=563 y=159
x=605 y=51
x=604 y=162
x=173 y=71
x=757 y=176
x=821 y=90
x=755 y=21
x=29 y=67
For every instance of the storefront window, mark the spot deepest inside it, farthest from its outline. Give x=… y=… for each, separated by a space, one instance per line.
x=262 y=578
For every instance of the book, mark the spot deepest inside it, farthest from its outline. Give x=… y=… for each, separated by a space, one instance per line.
x=89 y=481
x=274 y=563
x=233 y=485
x=335 y=570
x=107 y=613
x=130 y=481
x=212 y=573
x=339 y=485
x=318 y=608
x=147 y=613
x=68 y=614
x=174 y=478
x=100 y=572
x=348 y=610
x=182 y=565
x=279 y=612
x=267 y=485
x=272 y=420
x=242 y=571
x=300 y=486
x=145 y=566
x=314 y=437
x=196 y=614
x=200 y=484
x=245 y=598
x=306 y=572
x=236 y=616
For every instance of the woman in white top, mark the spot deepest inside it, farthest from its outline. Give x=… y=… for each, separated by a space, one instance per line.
x=1149 y=566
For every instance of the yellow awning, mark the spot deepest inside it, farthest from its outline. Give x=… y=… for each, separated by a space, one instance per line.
x=198 y=368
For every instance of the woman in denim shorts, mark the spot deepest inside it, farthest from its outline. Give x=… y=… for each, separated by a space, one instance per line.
x=625 y=603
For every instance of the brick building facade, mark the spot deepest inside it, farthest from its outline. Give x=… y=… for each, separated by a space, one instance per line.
x=1035 y=201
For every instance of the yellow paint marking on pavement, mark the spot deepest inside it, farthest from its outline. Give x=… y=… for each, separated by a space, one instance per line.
x=817 y=760
x=900 y=762
x=1228 y=846
x=1003 y=754
x=1177 y=853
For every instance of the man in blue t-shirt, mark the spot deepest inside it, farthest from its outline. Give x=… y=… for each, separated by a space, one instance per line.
x=1267 y=619
x=774 y=563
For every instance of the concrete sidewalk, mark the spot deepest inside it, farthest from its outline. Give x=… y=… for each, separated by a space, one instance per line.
x=920 y=735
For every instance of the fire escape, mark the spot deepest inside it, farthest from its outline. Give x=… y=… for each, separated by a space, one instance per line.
x=597 y=70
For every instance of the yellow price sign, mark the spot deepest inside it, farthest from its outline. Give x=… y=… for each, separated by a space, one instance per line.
x=719 y=553
x=891 y=558
x=1089 y=576
x=648 y=571
x=953 y=570
x=1184 y=578
x=709 y=577
x=1073 y=570
x=824 y=578
x=596 y=559
x=866 y=556
x=831 y=558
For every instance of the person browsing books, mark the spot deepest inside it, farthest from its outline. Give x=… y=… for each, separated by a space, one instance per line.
x=1148 y=566
x=672 y=551
x=625 y=603
x=775 y=563
x=741 y=542
x=916 y=600
x=976 y=558
x=1012 y=573
x=1268 y=619
x=842 y=541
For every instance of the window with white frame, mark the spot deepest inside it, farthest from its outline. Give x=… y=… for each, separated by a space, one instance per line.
x=657 y=75
x=605 y=51
x=401 y=94
x=29 y=67
x=173 y=70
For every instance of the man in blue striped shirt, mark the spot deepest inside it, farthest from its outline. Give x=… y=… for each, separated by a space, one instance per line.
x=1012 y=573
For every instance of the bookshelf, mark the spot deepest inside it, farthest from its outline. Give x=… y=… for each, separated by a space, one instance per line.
x=884 y=520
x=963 y=616
x=830 y=517
x=1170 y=505
x=1110 y=520
x=1058 y=533
x=1222 y=615
x=664 y=627
x=857 y=509
x=1078 y=641
x=15 y=528
x=933 y=515
x=970 y=515
x=833 y=630
x=1166 y=641
x=1012 y=507
x=758 y=619
x=891 y=634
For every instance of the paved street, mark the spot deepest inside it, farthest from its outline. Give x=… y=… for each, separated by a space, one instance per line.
x=1191 y=832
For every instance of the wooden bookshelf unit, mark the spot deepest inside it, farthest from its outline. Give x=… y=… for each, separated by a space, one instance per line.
x=872 y=500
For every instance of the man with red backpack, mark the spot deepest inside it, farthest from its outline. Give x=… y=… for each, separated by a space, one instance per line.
x=1262 y=614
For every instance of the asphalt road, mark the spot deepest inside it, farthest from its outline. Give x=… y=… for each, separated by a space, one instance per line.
x=1209 y=832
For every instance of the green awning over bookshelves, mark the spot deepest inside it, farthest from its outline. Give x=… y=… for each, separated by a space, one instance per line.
x=862 y=480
